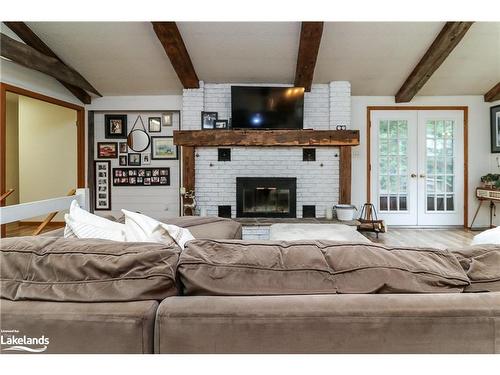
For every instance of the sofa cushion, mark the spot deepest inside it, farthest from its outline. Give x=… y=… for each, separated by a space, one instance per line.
x=90 y=270
x=215 y=228
x=208 y=267
x=482 y=265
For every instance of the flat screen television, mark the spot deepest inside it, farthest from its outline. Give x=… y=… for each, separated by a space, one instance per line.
x=267 y=107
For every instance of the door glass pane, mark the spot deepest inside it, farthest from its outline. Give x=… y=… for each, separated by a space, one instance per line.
x=393 y=165
x=383 y=203
x=440 y=162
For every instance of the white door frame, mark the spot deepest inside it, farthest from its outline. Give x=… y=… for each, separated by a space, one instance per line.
x=464 y=109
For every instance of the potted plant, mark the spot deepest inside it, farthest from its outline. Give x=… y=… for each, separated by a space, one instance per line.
x=491 y=180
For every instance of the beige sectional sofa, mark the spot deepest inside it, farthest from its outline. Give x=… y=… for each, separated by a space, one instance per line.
x=226 y=295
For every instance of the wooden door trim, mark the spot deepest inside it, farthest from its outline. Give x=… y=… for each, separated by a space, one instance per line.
x=80 y=132
x=465 y=110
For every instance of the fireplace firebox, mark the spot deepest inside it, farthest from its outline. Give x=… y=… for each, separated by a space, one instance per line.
x=266 y=197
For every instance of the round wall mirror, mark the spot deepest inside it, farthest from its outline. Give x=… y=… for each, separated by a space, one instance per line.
x=138 y=140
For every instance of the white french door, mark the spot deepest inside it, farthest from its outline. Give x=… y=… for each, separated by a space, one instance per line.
x=417 y=166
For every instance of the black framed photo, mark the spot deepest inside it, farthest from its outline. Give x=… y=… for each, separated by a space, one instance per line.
x=163 y=148
x=168 y=119
x=123 y=147
x=102 y=183
x=221 y=124
x=208 y=120
x=495 y=129
x=115 y=126
x=146 y=159
x=134 y=159
x=154 y=124
x=107 y=150
x=123 y=160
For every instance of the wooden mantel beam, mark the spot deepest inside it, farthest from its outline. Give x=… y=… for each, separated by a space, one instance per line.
x=266 y=138
x=310 y=39
x=449 y=37
x=31 y=39
x=493 y=94
x=29 y=57
x=171 y=39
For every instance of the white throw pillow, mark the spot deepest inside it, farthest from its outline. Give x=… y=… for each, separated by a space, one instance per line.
x=142 y=228
x=490 y=236
x=83 y=224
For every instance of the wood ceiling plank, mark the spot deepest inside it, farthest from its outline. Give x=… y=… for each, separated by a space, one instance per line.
x=171 y=40
x=310 y=39
x=31 y=39
x=448 y=38
x=266 y=138
x=29 y=57
x=493 y=94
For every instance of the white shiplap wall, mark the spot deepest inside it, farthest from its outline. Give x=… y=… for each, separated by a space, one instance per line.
x=156 y=201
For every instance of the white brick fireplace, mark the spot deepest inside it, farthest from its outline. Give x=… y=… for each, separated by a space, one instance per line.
x=325 y=107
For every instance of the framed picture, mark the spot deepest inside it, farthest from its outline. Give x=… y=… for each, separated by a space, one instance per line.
x=134 y=159
x=102 y=184
x=146 y=159
x=115 y=126
x=123 y=160
x=107 y=150
x=208 y=120
x=220 y=124
x=163 y=148
x=154 y=124
x=167 y=119
x=141 y=176
x=495 y=128
x=123 y=147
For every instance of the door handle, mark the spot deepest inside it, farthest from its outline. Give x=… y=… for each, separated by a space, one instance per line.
x=413 y=175
x=422 y=175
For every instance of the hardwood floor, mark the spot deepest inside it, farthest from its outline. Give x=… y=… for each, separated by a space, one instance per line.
x=437 y=238
x=27 y=229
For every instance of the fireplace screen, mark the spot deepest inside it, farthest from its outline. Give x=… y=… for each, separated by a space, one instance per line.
x=266 y=197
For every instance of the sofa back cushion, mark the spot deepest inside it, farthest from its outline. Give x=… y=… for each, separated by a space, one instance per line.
x=482 y=265
x=89 y=270
x=208 y=267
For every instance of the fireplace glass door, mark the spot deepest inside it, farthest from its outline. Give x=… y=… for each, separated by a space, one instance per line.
x=266 y=197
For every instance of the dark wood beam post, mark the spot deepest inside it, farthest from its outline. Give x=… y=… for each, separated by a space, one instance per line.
x=31 y=39
x=493 y=94
x=188 y=170
x=310 y=39
x=29 y=57
x=449 y=37
x=171 y=39
x=345 y=164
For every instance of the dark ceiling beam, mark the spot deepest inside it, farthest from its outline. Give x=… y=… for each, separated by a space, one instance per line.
x=171 y=40
x=310 y=39
x=447 y=39
x=29 y=57
x=31 y=39
x=493 y=94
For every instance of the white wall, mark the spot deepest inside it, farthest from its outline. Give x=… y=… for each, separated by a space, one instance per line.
x=156 y=201
x=47 y=151
x=481 y=161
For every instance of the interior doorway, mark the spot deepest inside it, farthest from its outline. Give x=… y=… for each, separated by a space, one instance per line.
x=42 y=153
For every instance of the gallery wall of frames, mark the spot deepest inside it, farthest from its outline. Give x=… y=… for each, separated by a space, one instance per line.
x=135 y=163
